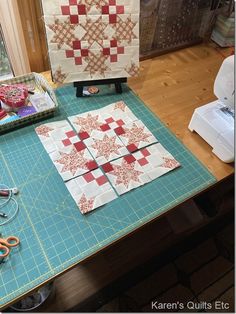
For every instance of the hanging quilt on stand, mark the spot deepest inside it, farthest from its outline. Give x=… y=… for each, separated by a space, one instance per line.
x=92 y=39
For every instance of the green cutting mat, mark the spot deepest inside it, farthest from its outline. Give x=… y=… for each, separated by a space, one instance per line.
x=53 y=233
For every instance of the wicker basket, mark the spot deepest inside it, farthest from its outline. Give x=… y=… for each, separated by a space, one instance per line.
x=42 y=84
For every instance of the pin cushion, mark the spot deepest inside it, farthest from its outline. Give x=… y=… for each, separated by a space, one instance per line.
x=14 y=96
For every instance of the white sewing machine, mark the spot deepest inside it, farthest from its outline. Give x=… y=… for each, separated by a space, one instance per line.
x=214 y=122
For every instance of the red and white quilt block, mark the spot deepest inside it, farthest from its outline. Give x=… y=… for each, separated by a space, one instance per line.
x=121 y=108
x=135 y=135
x=73 y=160
x=55 y=135
x=107 y=118
x=155 y=160
x=136 y=169
x=116 y=115
x=87 y=122
x=68 y=153
x=111 y=137
x=125 y=174
x=92 y=39
x=105 y=146
x=91 y=190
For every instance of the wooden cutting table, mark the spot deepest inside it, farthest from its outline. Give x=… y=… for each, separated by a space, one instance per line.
x=172 y=86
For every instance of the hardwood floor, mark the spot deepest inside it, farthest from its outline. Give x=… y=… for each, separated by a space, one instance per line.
x=174 y=84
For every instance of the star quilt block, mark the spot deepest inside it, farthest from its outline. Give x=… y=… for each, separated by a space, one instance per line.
x=87 y=122
x=107 y=118
x=105 y=146
x=72 y=161
x=135 y=135
x=111 y=138
x=125 y=174
x=91 y=190
x=92 y=39
x=141 y=167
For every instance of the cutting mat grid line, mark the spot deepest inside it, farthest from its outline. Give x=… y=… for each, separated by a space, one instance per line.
x=54 y=235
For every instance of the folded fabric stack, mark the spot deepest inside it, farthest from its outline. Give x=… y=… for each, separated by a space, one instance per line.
x=223 y=32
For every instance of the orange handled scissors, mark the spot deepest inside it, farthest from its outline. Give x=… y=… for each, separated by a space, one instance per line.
x=7 y=243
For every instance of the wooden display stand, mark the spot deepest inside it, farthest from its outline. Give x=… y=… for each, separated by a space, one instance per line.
x=117 y=82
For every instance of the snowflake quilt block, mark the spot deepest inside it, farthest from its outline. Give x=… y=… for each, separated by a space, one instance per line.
x=105 y=146
x=56 y=135
x=92 y=39
x=141 y=167
x=135 y=135
x=91 y=190
x=73 y=160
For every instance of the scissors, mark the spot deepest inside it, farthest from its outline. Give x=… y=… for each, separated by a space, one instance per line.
x=7 y=243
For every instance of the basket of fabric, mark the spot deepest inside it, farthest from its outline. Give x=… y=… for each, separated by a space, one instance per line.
x=25 y=99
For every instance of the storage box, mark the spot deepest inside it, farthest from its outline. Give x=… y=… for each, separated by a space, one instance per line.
x=223 y=32
x=148 y=18
x=180 y=23
x=41 y=84
x=167 y=25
